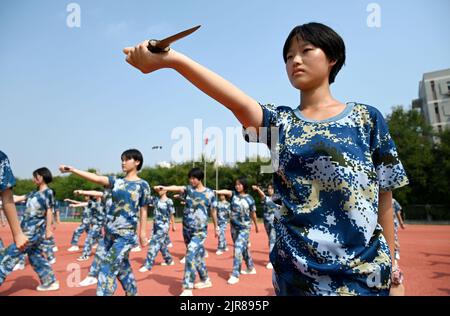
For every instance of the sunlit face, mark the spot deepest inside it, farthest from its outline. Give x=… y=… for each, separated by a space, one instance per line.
x=270 y=190
x=307 y=66
x=129 y=164
x=222 y=197
x=162 y=192
x=194 y=182
x=239 y=187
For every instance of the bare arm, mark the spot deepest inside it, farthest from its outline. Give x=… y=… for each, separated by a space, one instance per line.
x=48 y=227
x=9 y=208
x=92 y=177
x=143 y=225
x=79 y=204
x=253 y=215
x=72 y=201
x=19 y=198
x=170 y=188
x=400 y=219
x=172 y=222
x=260 y=192
x=213 y=212
x=227 y=193
x=246 y=109
x=386 y=218
x=89 y=193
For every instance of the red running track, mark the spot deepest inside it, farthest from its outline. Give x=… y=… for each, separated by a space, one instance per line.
x=425 y=260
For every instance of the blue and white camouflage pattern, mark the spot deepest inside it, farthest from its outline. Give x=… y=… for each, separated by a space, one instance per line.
x=158 y=241
x=195 y=226
x=7 y=179
x=329 y=177
x=269 y=209
x=223 y=217
x=121 y=223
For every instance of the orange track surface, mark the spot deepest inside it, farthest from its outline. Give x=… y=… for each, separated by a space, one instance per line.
x=425 y=260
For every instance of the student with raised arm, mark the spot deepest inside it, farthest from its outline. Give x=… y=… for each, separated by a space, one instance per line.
x=161 y=223
x=337 y=167
x=130 y=196
x=36 y=225
x=243 y=211
x=199 y=200
x=96 y=206
x=269 y=209
x=85 y=225
x=8 y=208
x=223 y=217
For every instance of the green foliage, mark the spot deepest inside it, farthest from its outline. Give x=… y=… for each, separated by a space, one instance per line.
x=427 y=163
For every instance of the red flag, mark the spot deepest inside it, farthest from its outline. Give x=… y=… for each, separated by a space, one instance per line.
x=206 y=141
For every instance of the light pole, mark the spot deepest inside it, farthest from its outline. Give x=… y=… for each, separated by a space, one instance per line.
x=157 y=148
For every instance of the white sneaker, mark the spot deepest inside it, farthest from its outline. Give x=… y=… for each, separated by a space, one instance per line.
x=88 y=281
x=187 y=292
x=83 y=258
x=136 y=249
x=168 y=264
x=53 y=261
x=252 y=271
x=233 y=280
x=249 y=244
x=203 y=285
x=206 y=254
x=226 y=249
x=183 y=260
x=95 y=246
x=219 y=252
x=52 y=287
x=55 y=249
x=19 y=266
x=269 y=266
x=73 y=248
x=170 y=245
x=143 y=269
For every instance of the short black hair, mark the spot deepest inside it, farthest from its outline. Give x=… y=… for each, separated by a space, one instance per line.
x=45 y=173
x=244 y=182
x=133 y=154
x=323 y=37
x=196 y=173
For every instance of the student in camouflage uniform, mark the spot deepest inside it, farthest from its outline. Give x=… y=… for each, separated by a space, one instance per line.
x=199 y=200
x=223 y=217
x=163 y=207
x=397 y=288
x=36 y=224
x=85 y=225
x=269 y=209
x=243 y=211
x=335 y=167
x=100 y=252
x=97 y=219
x=130 y=196
x=7 y=181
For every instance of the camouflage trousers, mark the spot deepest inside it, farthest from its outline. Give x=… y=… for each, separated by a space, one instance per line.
x=84 y=227
x=94 y=234
x=270 y=230
x=222 y=243
x=116 y=265
x=48 y=248
x=195 y=259
x=158 y=242
x=35 y=250
x=240 y=238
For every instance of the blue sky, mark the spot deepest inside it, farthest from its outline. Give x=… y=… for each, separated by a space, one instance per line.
x=68 y=96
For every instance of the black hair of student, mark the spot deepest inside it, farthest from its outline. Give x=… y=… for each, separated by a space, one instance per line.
x=196 y=173
x=323 y=37
x=244 y=182
x=44 y=173
x=133 y=154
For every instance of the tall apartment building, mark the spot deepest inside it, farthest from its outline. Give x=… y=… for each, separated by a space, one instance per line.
x=434 y=99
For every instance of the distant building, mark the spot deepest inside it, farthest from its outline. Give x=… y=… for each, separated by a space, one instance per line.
x=434 y=99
